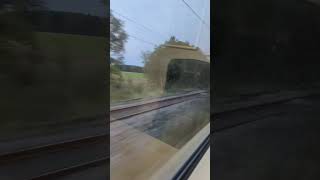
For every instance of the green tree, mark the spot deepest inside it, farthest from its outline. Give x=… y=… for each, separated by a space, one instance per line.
x=118 y=38
x=146 y=57
x=174 y=41
x=17 y=50
x=155 y=61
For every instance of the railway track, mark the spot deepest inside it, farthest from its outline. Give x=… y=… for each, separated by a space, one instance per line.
x=243 y=105
x=23 y=154
x=116 y=113
x=257 y=109
x=125 y=111
x=69 y=170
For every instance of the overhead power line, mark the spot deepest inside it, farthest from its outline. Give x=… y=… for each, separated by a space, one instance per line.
x=195 y=13
x=142 y=40
x=139 y=24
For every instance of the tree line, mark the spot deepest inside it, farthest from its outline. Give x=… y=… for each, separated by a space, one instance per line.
x=68 y=23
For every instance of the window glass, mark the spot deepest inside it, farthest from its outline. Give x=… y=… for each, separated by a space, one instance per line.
x=53 y=63
x=159 y=85
x=53 y=89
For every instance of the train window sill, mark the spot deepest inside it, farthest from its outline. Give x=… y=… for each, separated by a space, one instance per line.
x=202 y=170
x=185 y=161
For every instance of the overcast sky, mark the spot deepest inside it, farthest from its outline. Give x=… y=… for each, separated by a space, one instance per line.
x=155 y=21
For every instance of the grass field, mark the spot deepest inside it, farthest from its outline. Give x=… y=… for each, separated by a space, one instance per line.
x=69 y=85
x=133 y=86
x=54 y=44
x=134 y=76
x=82 y=63
x=136 y=86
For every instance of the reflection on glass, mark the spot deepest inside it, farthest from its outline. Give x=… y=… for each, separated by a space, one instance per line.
x=50 y=59
x=53 y=65
x=159 y=85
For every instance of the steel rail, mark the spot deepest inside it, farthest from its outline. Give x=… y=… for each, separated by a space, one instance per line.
x=19 y=154
x=216 y=116
x=128 y=110
x=69 y=170
x=240 y=106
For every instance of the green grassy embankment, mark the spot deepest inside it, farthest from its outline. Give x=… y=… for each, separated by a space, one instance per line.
x=68 y=86
x=133 y=86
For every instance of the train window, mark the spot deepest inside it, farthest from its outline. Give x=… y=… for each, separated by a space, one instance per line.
x=159 y=86
x=187 y=74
